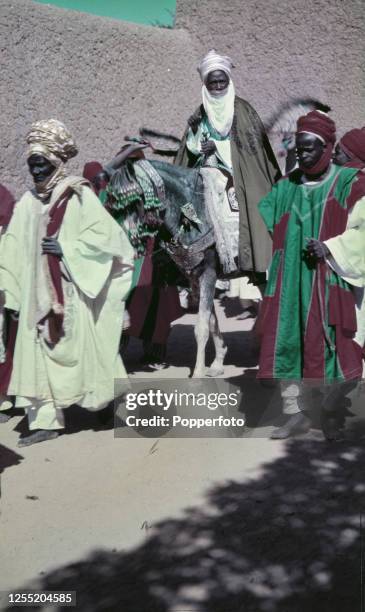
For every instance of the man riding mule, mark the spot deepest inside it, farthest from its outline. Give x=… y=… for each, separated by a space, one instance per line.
x=182 y=205
x=226 y=137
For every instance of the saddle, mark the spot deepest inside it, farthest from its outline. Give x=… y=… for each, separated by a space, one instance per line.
x=189 y=257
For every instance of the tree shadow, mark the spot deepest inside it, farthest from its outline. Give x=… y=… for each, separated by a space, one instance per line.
x=287 y=541
x=8 y=458
x=231 y=307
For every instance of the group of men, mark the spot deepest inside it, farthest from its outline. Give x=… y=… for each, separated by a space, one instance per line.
x=66 y=265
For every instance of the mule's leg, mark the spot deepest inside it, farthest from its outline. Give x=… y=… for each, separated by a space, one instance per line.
x=207 y=282
x=217 y=369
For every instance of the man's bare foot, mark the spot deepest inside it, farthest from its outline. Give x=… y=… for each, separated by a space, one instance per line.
x=41 y=435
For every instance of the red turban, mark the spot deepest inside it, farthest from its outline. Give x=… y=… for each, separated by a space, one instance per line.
x=319 y=124
x=353 y=143
x=7 y=204
x=91 y=169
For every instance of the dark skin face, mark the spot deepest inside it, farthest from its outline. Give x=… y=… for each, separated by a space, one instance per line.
x=309 y=149
x=340 y=157
x=216 y=82
x=40 y=168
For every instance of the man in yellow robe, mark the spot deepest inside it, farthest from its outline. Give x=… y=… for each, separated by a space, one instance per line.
x=65 y=267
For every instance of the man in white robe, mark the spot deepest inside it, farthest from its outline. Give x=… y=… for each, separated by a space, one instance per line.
x=65 y=267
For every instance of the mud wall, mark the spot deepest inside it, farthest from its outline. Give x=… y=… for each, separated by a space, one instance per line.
x=103 y=78
x=106 y=78
x=285 y=49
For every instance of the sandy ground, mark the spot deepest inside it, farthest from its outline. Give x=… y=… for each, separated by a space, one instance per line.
x=139 y=524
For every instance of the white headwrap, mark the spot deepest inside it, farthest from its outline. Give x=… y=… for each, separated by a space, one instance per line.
x=214 y=61
x=220 y=110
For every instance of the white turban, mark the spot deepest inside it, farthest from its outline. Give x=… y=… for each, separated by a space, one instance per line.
x=214 y=61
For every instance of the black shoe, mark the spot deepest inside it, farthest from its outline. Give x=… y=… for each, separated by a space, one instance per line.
x=41 y=435
x=106 y=415
x=332 y=427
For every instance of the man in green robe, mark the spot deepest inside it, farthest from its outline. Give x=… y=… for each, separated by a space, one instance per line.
x=310 y=319
x=227 y=133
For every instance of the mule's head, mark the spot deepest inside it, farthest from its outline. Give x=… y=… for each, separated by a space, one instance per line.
x=130 y=198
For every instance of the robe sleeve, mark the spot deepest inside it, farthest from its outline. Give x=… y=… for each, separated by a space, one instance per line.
x=270 y=162
x=267 y=209
x=100 y=240
x=185 y=157
x=348 y=249
x=193 y=141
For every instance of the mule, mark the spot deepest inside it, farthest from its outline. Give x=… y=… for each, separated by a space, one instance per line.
x=190 y=243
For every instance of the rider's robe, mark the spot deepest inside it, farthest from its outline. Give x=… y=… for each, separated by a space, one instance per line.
x=311 y=313
x=95 y=273
x=255 y=169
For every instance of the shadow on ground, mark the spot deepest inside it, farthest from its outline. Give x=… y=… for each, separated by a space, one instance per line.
x=289 y=541
x=8 y=458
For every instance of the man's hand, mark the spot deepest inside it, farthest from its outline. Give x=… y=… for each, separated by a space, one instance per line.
x=194 y=121
x=51 y=246
x=317 y=249
x=208 y=147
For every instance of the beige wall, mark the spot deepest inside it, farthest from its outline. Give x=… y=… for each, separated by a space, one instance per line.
x=287 y=48
x=105 y=78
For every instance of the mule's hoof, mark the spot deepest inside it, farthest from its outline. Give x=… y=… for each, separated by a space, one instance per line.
x=199 y=374
x=215 y=372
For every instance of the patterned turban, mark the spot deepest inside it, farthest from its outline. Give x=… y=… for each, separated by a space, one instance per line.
x=214 y=61
x=319 y=124
x=353 y=143
x=51 y=139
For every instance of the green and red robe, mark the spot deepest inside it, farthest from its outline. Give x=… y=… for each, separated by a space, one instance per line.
x=308 y=318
